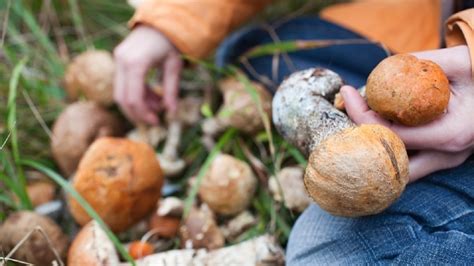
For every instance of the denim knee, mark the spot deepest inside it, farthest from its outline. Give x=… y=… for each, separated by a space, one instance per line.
x=432 y=222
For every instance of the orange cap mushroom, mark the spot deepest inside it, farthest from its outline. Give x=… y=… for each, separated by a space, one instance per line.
x=408 y=90
x=76 y=128
x=121 y=179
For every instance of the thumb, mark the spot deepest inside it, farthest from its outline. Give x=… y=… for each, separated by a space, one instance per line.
x=171 y=74
x=358 y=110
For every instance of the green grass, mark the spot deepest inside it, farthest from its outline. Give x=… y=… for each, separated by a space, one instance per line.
x=41 y=37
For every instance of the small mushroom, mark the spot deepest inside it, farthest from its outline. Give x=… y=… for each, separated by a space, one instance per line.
x=140 y=249
x=288 y=187
x=170 y=163
x=91 y=74
x=36 y=249
x=164 y=226
x=189 y=110
x=167 y=218
x=76 y=128
x=200 y=230
x=92 y=247
x=121 y=179
x=237 y=225
x=228 y=185
x=352 y=171
x=40 y=192
x=240 y=108
x=408 y=90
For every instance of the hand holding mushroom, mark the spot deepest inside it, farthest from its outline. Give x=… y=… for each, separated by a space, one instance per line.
x=445 y=142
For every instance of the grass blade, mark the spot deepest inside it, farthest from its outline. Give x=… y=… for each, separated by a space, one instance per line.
x=298 y=45
x=39 y=35
x=84 y=204
x=11 y=125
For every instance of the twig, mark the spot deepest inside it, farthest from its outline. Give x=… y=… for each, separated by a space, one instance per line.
x=61 y=43
x=36 y=113
x=263 y=79
x=257 y=165
x=4 y=260
x=307 y=6
x=7 y=138
x=276 y=39
x=5 y=23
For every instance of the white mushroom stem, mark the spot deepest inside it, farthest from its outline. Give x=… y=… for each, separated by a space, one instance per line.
x=150 y=135
x=170 y=206
x=213 y=126
x=263 y=250
x=169 y=161
x=235 y=227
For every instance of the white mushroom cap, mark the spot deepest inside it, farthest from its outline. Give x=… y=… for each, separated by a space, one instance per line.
x=92 y=246
x=228 y=186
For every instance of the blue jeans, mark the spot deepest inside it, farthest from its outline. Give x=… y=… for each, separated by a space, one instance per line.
x=431 y=223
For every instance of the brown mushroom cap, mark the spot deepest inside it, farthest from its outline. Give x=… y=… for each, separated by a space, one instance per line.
x=121 y=179
x=36 y=249
x=92 y=247
x=76 y=128
x=200 y=230
x=91 y=74
x=240 y=109
x=408 y=90
x=228 y=186
x=365 y=170
x=40 y=192
x=164 y=226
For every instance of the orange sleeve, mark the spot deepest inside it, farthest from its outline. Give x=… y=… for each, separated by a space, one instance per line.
x=196 y=27
x=402 y=25
x=460 y=30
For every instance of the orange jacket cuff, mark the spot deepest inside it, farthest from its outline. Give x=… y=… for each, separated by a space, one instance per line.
x=195 y=27
x=460 y=30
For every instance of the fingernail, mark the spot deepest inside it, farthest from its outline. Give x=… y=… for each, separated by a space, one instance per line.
x=344 y=91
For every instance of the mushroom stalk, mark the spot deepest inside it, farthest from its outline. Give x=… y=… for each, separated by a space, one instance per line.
x=302 y=109
x=169 y=161
x=149 y=135
x=262 y=250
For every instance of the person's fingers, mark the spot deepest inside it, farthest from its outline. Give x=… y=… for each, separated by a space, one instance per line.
x=454 y=61
x=171 y=75
x=428 y=161
x=135 y=103
x=357 y=108
x=153 y=100
x=119 y=85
